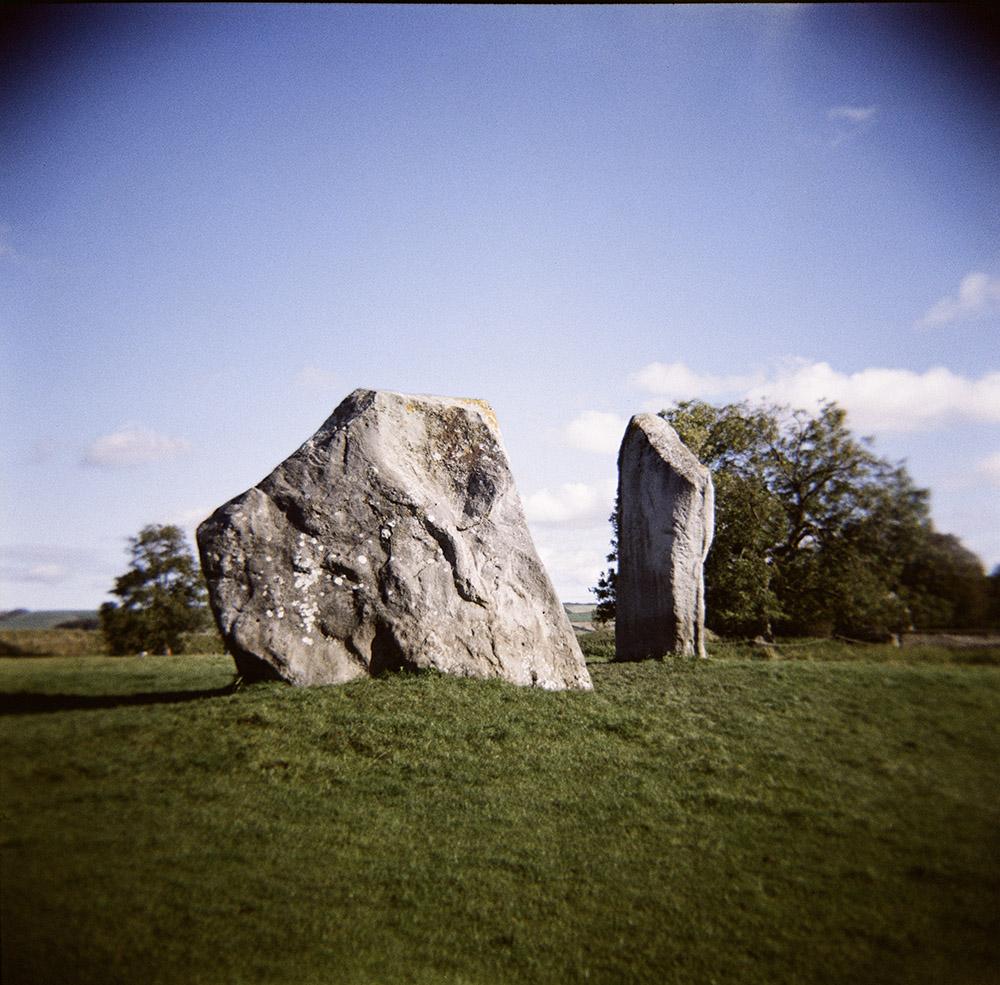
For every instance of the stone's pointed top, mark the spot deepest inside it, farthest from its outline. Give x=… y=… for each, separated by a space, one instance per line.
x=362 y=398
x=394 y=537
x=667 y=443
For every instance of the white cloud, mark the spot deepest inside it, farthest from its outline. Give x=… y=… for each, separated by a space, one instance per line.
x=572 y=504
x=849 y=121
x=889 y=399
x=574 y=566
x=593 y=430
x=854 y=114
x=978 y=296
x=47 y=573
x=877 y=399
x=677 y=381
x=316 y=378
x=134 y=444
x=26 y=569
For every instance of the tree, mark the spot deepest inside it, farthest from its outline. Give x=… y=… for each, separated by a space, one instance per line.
x=813 y=531
x=606 y=589
x=993 y=598
x=946 y=585
x=162 y=595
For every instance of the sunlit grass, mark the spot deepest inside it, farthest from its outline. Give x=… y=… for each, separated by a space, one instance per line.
x=687 y=821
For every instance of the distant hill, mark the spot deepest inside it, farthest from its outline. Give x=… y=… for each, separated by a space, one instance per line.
x=50 y=618
x=43 y=619
x=581 y=616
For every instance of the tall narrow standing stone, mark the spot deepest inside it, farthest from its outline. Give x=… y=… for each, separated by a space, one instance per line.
x=666 y=511
x=394 y=537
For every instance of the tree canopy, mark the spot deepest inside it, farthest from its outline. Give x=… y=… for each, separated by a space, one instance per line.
x=814 y=532
x=162 y=595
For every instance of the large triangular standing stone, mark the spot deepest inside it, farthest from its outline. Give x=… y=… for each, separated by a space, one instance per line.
x=394 y=537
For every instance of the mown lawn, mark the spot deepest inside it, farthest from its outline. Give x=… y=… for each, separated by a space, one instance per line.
x=728 y=821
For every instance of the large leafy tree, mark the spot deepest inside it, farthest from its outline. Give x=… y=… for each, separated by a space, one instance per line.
x=814 y=531
x=947 y=584
x=162 y=595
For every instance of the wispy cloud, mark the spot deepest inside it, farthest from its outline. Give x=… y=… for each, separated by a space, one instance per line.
x=988 y=469
x=43 y=564
x=317 y=378
x=849 y=121
x=978 y=297
x=877 y=399
x=6 y=250
x=854 y=114
x=134 y=444
x=48 y=574
x=593 y=430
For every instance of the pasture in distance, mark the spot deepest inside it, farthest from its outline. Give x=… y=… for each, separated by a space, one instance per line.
x=805 y=820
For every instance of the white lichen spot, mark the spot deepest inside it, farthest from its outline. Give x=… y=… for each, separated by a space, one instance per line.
x=270 y=614
x=308 y=610
x=307 y=579
x=307 y=640
x=338 y=580
x=362 y=559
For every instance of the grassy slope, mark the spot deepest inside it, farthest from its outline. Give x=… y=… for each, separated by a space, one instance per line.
x=82 y=643
x=44 y=619
x=724 y=820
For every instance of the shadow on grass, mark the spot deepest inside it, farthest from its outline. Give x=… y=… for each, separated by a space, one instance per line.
x=36 y=704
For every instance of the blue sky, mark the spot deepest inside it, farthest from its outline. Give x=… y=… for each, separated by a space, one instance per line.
x=216 y=221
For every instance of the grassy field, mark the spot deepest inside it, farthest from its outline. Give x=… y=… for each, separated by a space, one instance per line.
x=51 y=642
x=735 y=820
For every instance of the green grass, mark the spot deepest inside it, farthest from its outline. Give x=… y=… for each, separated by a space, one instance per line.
x=829 y=650
x=49 y=642
x=728 y=821
x=598 y=646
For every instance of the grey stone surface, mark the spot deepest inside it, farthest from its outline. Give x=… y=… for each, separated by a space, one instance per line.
x=394 y=537
x=666 y=512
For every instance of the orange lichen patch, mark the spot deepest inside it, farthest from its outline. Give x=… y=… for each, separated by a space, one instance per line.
x=485 y=408
x=481 y=405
